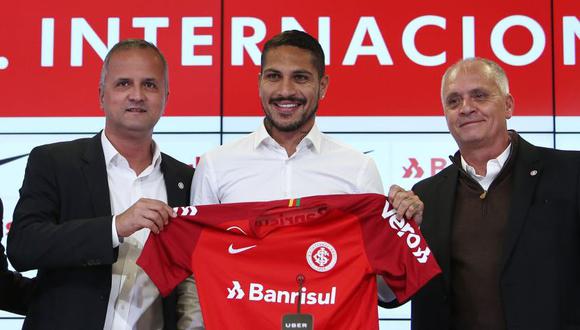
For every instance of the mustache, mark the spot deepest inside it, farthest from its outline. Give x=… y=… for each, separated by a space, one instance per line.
x=135 y=105
x=291 y=99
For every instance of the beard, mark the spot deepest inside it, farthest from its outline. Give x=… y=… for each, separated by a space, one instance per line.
x=292 y=126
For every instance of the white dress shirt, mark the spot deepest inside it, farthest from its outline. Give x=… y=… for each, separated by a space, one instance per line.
x=494 y=166
x=134 y=301
x=257 y=168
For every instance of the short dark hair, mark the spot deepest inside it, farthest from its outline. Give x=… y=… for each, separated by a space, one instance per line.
x=298 y=39
x=133 y=44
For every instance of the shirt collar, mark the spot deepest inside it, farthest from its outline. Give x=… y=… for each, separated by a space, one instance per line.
x=108 y=150
x=111 y=153
x=494 y=166
x=313 y=138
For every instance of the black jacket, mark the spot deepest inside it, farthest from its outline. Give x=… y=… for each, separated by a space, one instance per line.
x=62 y=227
x=15 y=290
x=540 y=278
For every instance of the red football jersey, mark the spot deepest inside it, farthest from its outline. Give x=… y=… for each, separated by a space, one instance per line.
x=246 y=258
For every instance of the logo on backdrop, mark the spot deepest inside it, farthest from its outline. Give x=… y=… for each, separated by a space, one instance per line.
x=10 y=159
x=415 y=171
x=413 y=168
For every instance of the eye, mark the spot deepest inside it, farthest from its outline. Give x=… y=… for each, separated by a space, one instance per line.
x=301 y=78
x=272 y=76
x=122 y=83
x=150 y=84
x=453 y=101
x=479 y=95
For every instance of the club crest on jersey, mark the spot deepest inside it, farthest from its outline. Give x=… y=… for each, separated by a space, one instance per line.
x=321 y=256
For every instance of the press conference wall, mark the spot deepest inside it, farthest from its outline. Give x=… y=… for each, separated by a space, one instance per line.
x=385 y=61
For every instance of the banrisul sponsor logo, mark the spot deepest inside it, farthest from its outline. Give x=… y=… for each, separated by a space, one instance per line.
x=256 y=292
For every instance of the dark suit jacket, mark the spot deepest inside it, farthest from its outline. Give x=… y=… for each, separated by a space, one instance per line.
x=15 y=290
x=62 y=227
x=540 y=278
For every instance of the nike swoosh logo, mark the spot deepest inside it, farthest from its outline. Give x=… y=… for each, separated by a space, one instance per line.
x=8 y=160
x=233 y=250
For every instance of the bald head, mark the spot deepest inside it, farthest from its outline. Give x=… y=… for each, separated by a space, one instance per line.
x=488 y=67
x=131 y=44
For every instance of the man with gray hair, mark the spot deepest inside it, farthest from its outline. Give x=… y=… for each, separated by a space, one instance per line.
x=503 y=221
x=87 y=206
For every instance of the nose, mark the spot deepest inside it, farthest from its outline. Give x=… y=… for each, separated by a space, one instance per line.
x=136 y=94
x=287 y=87
x=467 y=106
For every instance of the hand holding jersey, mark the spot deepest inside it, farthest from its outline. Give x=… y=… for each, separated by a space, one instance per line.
x=246 y=256
x=406 y=204
x=145 y=213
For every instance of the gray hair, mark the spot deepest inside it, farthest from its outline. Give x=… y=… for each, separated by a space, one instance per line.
x=496 y=72
x=133 y=44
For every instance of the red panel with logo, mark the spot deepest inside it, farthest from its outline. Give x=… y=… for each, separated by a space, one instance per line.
x=386 y=59
x=50 y=63
x=566 y=48
x=397 y=76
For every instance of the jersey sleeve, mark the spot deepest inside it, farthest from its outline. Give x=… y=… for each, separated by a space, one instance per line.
x=166 y=257
x=396 y=249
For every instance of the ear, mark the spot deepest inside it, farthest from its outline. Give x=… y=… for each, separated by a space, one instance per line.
x=324 y=81
x=101 y=95
x=165 y=103
x=259 y=84
x=509 y=106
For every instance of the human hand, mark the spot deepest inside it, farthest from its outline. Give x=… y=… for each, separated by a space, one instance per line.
x=406 y=203
x=145 y=213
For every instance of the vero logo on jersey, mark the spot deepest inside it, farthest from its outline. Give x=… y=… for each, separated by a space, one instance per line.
x=256 y=292
x=403 y=228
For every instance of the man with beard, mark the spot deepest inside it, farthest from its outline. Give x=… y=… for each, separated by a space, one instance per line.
x=288 y=156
